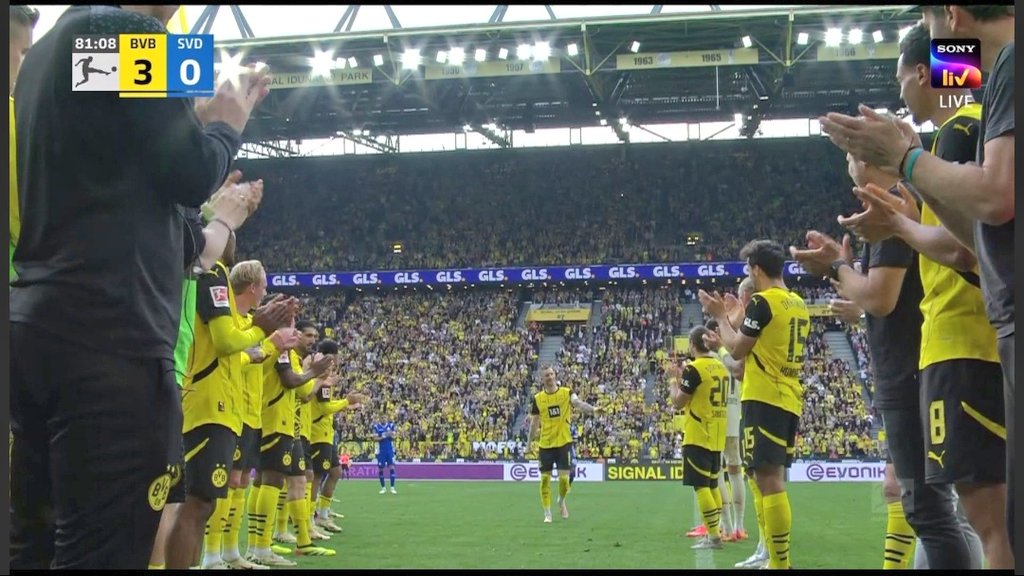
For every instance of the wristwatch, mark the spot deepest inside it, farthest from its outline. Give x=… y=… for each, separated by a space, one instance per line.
x=833 y=272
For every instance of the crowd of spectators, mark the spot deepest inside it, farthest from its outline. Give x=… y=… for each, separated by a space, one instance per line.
x=542 y=207
x=449 y=369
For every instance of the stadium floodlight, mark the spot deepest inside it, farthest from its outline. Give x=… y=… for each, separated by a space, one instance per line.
x=877 y=36
x=378 y=60
x=229 y=68
x=747 y=42
x=441 y=56
x=833 y=37
x=802 y=38
x=856 y=36
x=904 y=31
x=541 y=51
x=634 y=47
x=604 y=122
x=523 y=51
x=322 y=64
x=572 y=49
x=340 y=63
x=352 y=62
x=411 y=59
x=481 y=55
x=357 y=132
x=503 y=54
x=456 y=56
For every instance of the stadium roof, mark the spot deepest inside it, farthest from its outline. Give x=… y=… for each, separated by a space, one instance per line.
x=339 y=69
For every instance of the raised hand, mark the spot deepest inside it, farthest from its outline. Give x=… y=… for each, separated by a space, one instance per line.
x=285 y=338
x=273 y=315
x=713 y=303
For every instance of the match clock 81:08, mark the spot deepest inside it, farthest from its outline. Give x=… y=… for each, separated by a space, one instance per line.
x=96 y=44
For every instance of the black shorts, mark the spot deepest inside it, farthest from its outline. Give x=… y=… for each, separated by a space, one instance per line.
x=701 y=467
x=177 y=472
x=307 y=454
x=964 y=422
x=324 y=457
x=93 y=437
x=247 y=453
x=552 y=457
x=208 y=452
x=278 y=453
x=769 y=435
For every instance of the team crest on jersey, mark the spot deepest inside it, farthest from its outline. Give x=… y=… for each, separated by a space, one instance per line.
x=175 y=474
x=302 y=465
x=238 y=454
x=219 y=295
x=554 y=411
x=286 y=459
x=158 y=491
x=327 y=464
x=219 y=477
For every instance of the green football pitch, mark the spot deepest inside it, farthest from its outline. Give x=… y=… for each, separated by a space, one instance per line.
x=611 y=525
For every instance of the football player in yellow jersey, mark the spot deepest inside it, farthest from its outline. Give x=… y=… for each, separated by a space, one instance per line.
x=701 y=387
x=211 y=398
x=771 y=341
x=303 y=434
x=962 y=408
x=324 y=455
x=550 y=415
x=280 y=454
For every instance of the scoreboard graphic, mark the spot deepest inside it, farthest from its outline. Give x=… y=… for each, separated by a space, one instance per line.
x=144 y=65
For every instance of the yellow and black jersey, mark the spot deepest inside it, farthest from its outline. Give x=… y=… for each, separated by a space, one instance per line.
x=278 y=401
x=212 y=391
x=303 y=417
x=955 y=325
x=324 y=408
x=252 y=384
x=707 y=381
x=779 y=320
x=555 y=412
x=14 y=216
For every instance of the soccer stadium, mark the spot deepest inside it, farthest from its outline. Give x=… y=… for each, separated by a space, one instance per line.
x=714 y=263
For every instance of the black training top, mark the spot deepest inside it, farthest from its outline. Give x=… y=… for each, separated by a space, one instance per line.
x=100 y=178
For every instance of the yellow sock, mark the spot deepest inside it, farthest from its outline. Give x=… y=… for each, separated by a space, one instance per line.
x=778 y=521
x=236 y=497
x=711 y=511
x=325 y=504
x=545 y=491
x=759 y=510
x=563 y=485
x=899 y=539
x=215 y=526
x=255 y=525
x=157 y=567
x=310 y=501
x=266 y=507
x=281 y=525
x=299 y=510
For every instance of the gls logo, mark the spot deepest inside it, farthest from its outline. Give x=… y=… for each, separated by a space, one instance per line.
x=622 y=272
x=795 y=269
x=705 y=270
x=541 y=274
x=407 y=278
x=667 y=272
x=364 y=279
x=450 y=277
x=284 y=280
x=491 y=276
x=325 y=280
x=578 y=274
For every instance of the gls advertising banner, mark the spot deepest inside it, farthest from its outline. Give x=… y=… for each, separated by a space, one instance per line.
x=530 y=471
x=500 y=276
x=837 y=471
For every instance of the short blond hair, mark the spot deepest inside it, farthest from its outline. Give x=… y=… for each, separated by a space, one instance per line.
x=746 y=286
x=245 y=274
